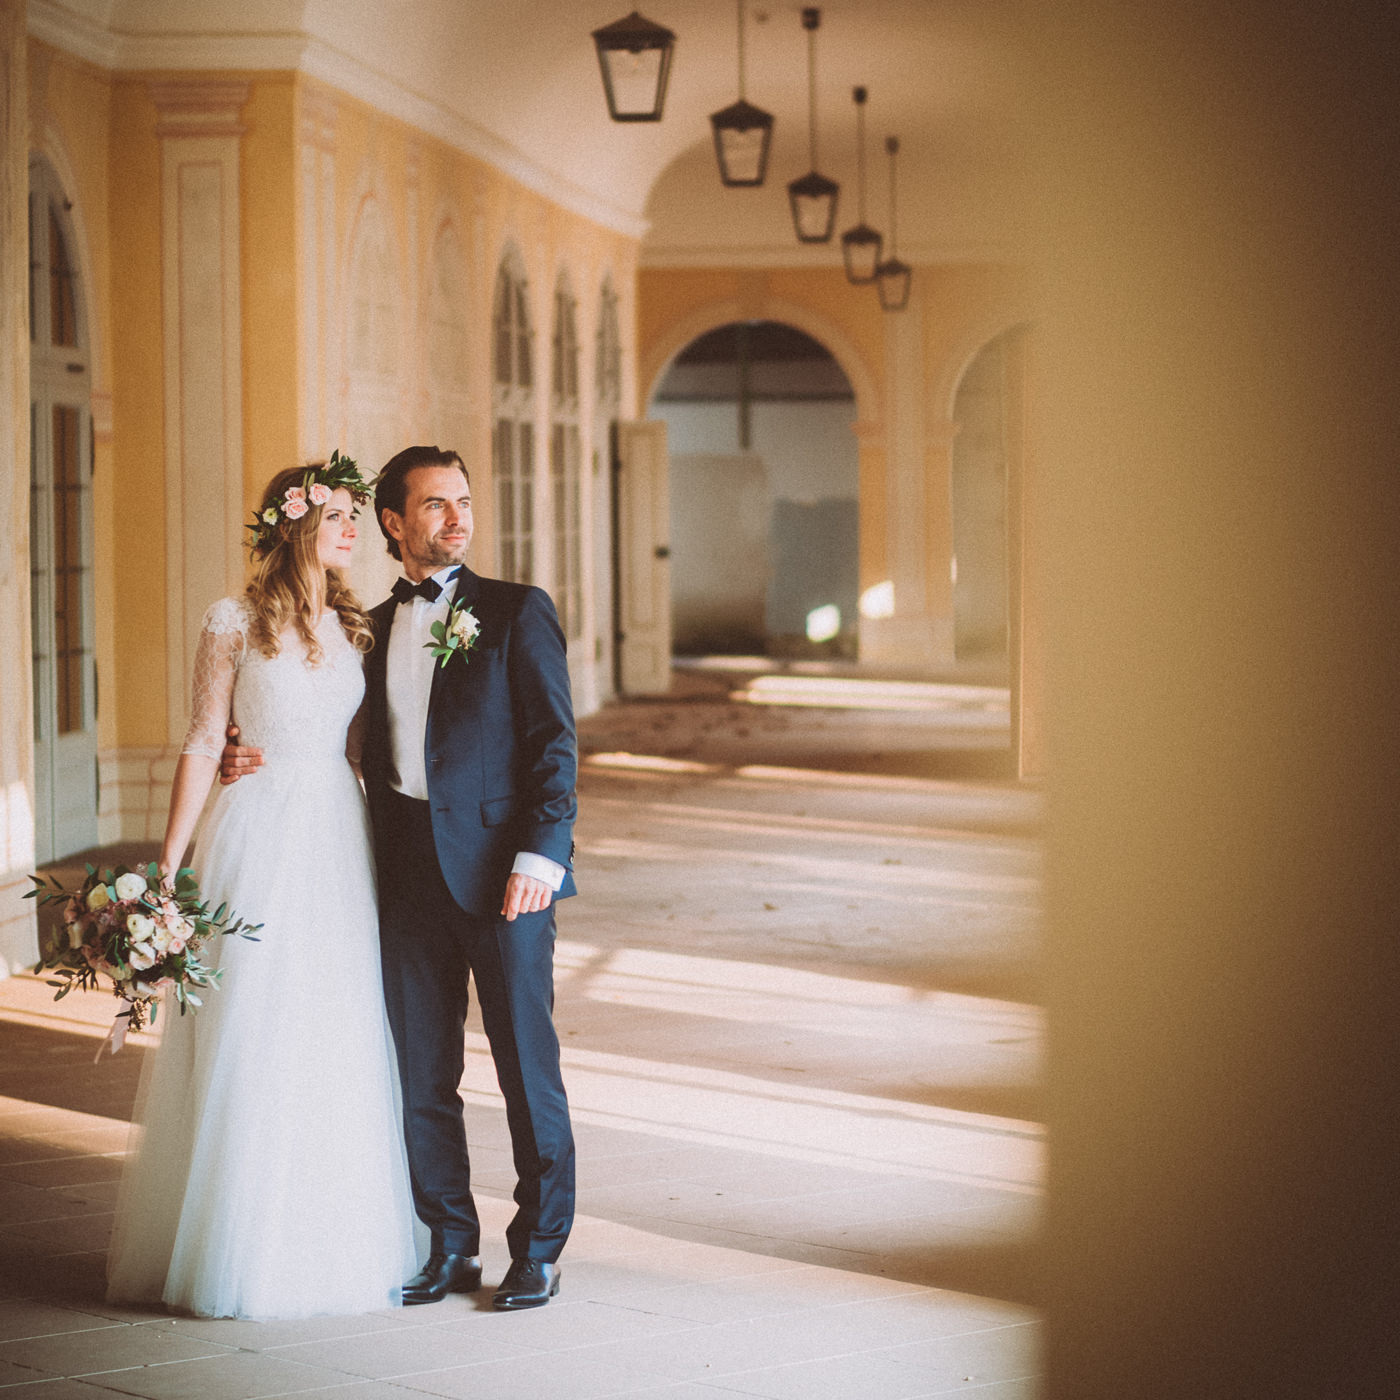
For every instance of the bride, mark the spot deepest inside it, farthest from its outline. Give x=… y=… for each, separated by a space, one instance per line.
x=267 y=1177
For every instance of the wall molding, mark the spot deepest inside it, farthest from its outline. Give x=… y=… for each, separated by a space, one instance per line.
x=81 y=36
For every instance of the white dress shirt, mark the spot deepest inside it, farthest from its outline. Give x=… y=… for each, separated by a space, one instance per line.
x=409 y=679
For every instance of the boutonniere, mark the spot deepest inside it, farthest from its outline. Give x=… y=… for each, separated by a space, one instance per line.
x=457 y=632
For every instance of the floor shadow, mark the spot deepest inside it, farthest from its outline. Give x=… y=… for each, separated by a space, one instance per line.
x=50 y=1067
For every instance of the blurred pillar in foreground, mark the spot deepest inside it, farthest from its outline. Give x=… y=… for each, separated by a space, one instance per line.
x=1219 y=461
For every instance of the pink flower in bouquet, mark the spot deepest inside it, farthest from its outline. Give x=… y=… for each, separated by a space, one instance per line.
x=96 y=960
x=319 y=494
x=295 y=508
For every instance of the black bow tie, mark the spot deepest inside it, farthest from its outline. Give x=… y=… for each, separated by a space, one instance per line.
x=429 y=588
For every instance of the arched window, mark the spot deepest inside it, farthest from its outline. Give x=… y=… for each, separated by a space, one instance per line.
x=60 y=525
x=564 y=455
x=513 y=438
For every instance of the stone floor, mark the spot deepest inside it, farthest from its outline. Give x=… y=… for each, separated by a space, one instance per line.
x=797 y=1005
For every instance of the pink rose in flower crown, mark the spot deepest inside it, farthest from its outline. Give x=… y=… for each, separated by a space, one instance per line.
x=319 y=494
x=295 y=507
x=294 y=493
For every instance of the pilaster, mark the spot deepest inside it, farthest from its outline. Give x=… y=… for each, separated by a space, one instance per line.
x=199 y=128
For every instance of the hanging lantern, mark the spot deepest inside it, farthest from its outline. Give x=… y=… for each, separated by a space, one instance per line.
x=743 y=134
x=634 y=56
x=861 y=245
x=813 y=197
x=893 y=277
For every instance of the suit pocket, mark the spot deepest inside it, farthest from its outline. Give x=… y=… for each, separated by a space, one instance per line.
x=495 y=810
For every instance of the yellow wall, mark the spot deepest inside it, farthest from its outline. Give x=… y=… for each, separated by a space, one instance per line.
x=422 y=184
x=101 y=128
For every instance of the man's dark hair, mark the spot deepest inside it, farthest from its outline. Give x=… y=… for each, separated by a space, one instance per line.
x=391 y=485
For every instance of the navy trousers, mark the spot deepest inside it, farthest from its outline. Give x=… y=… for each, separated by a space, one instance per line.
x=430 y=948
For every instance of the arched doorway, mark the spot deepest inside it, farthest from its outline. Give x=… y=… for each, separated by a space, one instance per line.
x=764 y=487
x=60 y=528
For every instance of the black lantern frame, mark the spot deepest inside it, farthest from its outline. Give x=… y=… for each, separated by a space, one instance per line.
x=743 y=134
x=627 y=40
x=813 y=197
x=861 y=245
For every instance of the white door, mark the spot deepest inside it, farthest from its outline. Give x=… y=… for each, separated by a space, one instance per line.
x=644 y=559
x=60 y=522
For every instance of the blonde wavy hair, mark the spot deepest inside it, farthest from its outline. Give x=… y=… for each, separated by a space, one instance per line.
x=291 y=586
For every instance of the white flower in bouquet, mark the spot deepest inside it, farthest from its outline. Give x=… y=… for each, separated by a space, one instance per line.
x=140 y=927
x=130 y=886
x=98 y=898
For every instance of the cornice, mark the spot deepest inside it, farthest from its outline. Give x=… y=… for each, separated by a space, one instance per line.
x=794 y=254
x=74 y=33
x=77 y=33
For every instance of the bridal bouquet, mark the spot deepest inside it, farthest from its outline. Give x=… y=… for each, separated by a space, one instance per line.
x=143 y=934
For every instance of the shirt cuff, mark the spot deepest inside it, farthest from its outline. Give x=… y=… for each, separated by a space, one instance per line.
x=539 y=868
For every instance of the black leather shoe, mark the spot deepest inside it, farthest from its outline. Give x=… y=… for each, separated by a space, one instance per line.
x=441 y=1275
x=529 y=1283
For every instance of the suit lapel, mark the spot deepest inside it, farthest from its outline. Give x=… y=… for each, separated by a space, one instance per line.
x=376 y=673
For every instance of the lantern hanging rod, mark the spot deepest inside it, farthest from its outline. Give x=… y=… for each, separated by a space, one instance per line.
x=742 y=92
x=860 y=96
x=811 y=19
x=892 y=146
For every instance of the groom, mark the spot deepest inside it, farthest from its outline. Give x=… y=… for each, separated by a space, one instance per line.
x=469 y=768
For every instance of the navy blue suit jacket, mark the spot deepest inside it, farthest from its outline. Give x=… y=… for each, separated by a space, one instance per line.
x=500 y=751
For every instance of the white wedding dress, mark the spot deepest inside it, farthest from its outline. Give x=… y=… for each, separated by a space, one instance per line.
x=267 y=1177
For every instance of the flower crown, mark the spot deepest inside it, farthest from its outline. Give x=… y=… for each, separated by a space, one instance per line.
x=317 y=484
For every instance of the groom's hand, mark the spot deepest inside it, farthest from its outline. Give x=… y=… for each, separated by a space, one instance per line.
x=525 y=895
x=236 y=762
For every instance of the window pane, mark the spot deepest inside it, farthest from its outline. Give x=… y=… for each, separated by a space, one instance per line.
x=34 y=271
x=63 y=311
x=524 y=369
x=525 y=518
x=68 y=569
x=501 y=318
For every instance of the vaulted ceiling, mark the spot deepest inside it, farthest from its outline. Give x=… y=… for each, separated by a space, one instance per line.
x=518 y=82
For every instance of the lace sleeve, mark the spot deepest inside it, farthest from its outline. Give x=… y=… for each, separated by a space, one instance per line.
x=222 y=640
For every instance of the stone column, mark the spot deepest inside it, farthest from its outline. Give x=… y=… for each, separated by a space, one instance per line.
x=911 y=635
x=16 y=680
